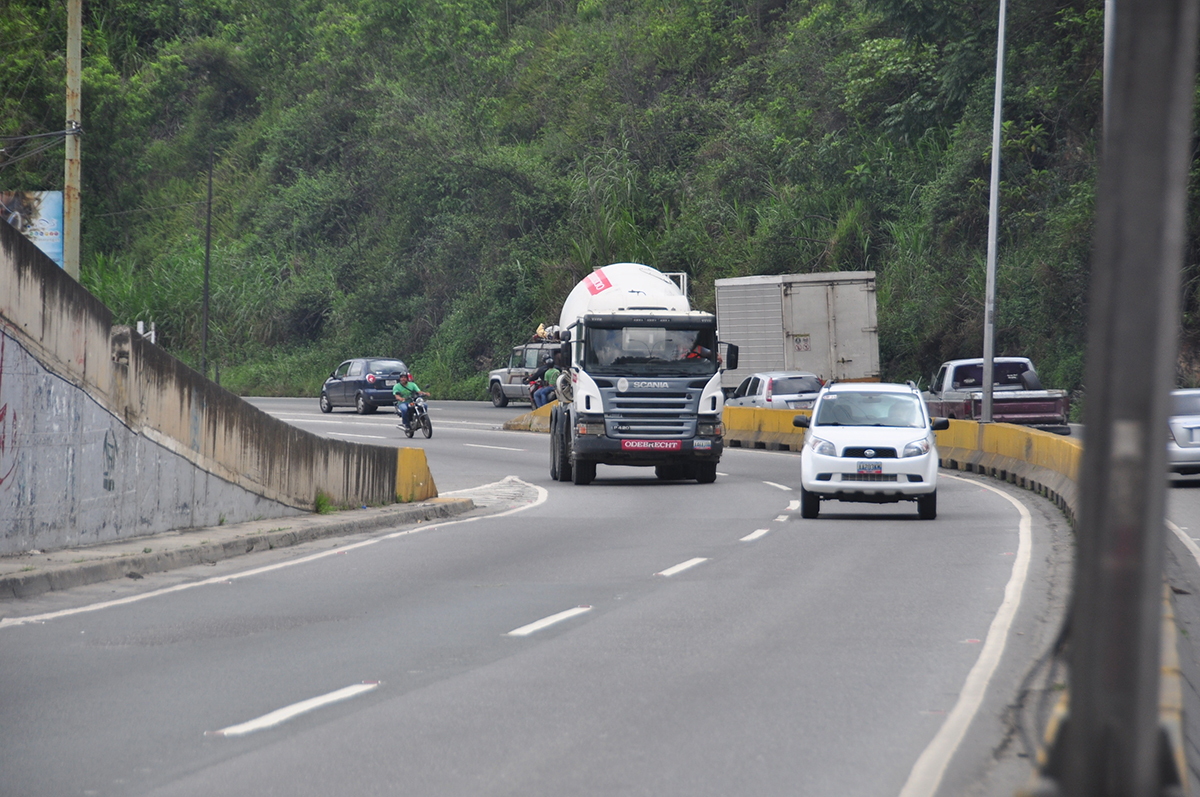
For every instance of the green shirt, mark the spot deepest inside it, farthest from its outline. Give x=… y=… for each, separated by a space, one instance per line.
x=551 y=375
x=404 y=392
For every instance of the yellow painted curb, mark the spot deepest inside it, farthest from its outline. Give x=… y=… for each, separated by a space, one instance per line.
x=535 y=421
x=414 y=482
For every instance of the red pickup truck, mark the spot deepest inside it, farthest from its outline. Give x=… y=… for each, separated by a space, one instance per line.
x=1017 y=394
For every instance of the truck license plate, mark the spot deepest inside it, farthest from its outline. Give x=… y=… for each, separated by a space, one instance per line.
x=870 y=467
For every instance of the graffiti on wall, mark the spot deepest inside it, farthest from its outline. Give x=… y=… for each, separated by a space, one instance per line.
x=8 y=429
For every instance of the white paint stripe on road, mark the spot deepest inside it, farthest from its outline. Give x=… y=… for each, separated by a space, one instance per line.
x=927 y=773
x=793 y=506
x=542 y=494
x=781 y=518
x=545 y=622
x=778 y=486
x=1187 y=541
x=348 y=434
x=296 y=709
x=754 y=535
x=495 y=448
x=679 y=568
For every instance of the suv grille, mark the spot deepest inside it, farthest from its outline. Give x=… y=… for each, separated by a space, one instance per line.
x=861 y=452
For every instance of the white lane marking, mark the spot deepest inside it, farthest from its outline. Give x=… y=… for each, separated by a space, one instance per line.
x=793 y=506
x=927 y=773
x=754 y=535
x=496 y=448
x=296 y=709
x=542 y=494
x=781 y=518
x=1188 y=542
x=348 y=434
x=679 y=568
x=545 y=622
x=778 y=486
x=719 y=473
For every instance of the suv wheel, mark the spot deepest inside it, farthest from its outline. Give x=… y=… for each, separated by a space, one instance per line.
x=810 y=504
x=927 y=506
x=498 y=397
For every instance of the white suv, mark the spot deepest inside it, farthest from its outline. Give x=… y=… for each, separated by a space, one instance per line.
x=870 y=443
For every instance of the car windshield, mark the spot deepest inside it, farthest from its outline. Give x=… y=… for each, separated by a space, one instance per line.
x=1185 y=403
x=870 y=409
x=385 y=366
x=795 y=384
x=657 y=351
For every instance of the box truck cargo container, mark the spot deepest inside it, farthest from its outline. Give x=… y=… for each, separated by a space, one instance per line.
x=820 y=323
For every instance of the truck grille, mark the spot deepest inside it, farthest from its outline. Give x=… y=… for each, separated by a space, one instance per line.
x=650 y=414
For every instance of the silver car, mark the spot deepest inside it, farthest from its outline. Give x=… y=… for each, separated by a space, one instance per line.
x=1183 y=442
x=781 y=390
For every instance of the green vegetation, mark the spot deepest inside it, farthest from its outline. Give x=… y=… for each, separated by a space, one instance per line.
x=428 y=178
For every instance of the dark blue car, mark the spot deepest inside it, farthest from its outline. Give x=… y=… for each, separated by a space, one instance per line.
x=364 y=383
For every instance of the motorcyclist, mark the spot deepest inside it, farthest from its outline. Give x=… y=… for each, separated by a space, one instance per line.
x=404 y=392
x=541 y=396
x=538 y=376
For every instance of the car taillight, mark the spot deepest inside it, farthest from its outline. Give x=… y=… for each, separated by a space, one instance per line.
x=370 y=379
x=770 y=388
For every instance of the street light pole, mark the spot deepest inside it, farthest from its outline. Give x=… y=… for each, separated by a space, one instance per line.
x=989 y=312
x=71 y=180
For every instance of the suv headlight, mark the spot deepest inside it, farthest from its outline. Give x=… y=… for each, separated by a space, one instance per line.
x=823 y=447
x=917 y=447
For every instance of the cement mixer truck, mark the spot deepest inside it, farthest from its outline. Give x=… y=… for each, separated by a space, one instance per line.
x=643 y=386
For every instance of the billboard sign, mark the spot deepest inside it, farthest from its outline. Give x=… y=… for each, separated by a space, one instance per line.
x=39 y=216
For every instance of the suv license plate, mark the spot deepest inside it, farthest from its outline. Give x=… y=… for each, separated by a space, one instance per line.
x=390 y=383
x=870 y=467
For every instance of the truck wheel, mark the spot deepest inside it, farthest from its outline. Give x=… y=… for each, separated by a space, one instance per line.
x=927 y=506
x=498 y=397
x=555 y=452
x=583 y=472
x=810 y=504
x=562 y=433
x=706 y=472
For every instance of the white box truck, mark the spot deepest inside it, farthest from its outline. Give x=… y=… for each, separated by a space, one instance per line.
x=820 y=323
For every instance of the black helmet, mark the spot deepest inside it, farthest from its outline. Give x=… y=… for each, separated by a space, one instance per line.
x=548 y=359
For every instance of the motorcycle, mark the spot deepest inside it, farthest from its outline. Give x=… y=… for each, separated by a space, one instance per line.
x=418 y=418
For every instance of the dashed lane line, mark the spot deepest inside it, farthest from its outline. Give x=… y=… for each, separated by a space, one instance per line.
x=286 y=713
x=546 y=622
x=679 y=568
x=754 y=535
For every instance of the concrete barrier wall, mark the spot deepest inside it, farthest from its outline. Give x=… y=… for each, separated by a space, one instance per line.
x=105 y=436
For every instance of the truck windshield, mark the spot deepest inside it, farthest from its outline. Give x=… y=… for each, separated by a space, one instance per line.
x=651 y=351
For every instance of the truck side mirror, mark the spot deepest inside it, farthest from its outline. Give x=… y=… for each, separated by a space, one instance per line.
x=731 y=357
x=564 y=353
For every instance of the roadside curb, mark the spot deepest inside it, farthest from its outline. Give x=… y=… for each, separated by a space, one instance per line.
x=28 y=575
x=534 y=421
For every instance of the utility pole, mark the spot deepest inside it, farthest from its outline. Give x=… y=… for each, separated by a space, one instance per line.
x=989 y=305
x=71 y=206
x=1111 y=745
x=207 y=253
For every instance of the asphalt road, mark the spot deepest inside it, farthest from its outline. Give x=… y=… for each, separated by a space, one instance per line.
x=627 y=637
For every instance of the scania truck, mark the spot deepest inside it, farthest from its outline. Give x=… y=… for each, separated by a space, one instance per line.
x=644 y=383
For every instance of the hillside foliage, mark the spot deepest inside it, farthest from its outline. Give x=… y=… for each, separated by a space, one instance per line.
x=428 y=178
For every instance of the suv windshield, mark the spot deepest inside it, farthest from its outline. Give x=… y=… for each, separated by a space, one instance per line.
x=656 y=351
x=795 y=384
x=1185 y=404
x=385 y=366
x=870 y=409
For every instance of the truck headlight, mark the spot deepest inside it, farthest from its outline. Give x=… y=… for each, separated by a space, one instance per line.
x=916 y=448
x=593 y=428
x=710 y=429
x=823 y=447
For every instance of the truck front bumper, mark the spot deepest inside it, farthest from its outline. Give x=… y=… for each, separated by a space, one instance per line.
x=646 y=452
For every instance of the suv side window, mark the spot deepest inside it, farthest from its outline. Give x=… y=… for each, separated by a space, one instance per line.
x=531 y=357
x=341 y=370
x=514 y=359
x=356 y=368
